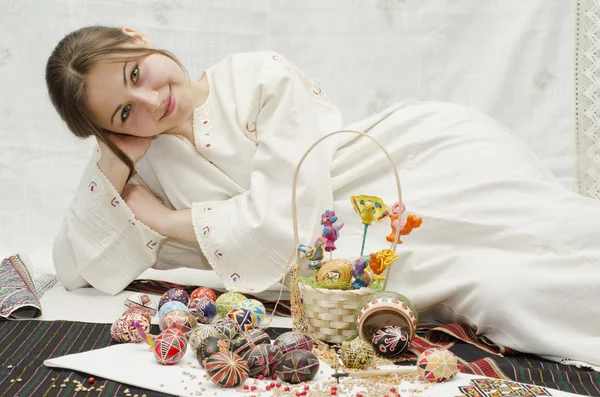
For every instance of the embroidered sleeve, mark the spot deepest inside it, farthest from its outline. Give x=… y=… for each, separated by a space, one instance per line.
x=248 y=239
x=101 y=243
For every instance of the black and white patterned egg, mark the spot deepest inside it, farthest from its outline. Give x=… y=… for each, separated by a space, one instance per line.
x=263 y=359
x=297 y=366
x=390 y=341
x=293 y=340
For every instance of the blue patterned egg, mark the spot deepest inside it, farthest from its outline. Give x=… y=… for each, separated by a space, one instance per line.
x=390 y=341
x=174 y=294
x=227 y=301
x=205 y=310
x=242 y=317
x=255 y=307
x=169 y=307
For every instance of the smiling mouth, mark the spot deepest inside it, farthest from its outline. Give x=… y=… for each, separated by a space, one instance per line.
x=168 y=105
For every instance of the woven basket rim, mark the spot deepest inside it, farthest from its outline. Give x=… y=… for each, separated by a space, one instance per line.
x=326 y=291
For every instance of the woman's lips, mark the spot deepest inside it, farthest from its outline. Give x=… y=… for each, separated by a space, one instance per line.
x=170 y=105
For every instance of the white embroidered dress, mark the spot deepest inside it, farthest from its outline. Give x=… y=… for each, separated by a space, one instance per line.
x=503 y=246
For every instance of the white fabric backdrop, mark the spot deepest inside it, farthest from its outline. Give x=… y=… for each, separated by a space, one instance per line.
x=512 y=59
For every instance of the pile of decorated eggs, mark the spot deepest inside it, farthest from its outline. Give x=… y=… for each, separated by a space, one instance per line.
x=174 y=294
x=170 y=347
x=390 y=341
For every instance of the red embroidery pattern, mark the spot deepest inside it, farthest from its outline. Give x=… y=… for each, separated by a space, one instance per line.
x=205 y=230
x=251 y=127
x=276 y=57
x=92 y=185
x=151 y=244
x=218 y=254
x=114 y=201
x=235 y=277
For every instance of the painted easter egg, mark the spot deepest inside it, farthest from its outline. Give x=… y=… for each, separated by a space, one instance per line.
x=385 y=308
x=201 y=332
x=123 y=330
x=210 y=346
x=297 y=366
x=263 y=359
x=390 y=341
x=226 y=369
x=179 y=319
x=174 y=294
x=206 y=310
x=356 y=354
x=334 y=273
x=171 y=306
x=255 y=307
x=140 y=311
x=170 y=347
x=437 y=365
x=293 y=340
x=227 y=301
x=227 y=328
x=203 y=292
x=242 y=317
x=143 y=301
x=248 y=340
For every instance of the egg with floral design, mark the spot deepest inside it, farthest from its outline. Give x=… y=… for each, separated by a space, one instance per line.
x=174 y=294
x=390 y=341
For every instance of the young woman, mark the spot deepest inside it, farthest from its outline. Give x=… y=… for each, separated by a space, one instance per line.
x=198 y=173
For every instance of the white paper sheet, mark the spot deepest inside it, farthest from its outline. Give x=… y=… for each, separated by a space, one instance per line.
x=135 y=365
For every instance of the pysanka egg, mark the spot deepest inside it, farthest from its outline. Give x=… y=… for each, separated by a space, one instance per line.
x=226 y=369
x=227 y=328
x=255 y=307
x=201 y=332
x=248 y=340
x=205 y=310
x=227 y=301
x=169 y=307
x=390 y=341
x=174 y=294
x=437 y=365
x=170 y=347
x=334 y=273
x=210 y=346
x=122 y=330
x=203 y=292
x=179 y=319
x=242 y=317
x=297 y=366
x=142 y=300
x=263 y=359
x=293 y=340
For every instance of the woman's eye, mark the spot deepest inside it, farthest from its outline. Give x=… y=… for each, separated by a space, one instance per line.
x=125 y=113
x=135 y=74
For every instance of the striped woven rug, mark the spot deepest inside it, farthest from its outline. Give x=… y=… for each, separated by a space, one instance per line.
x=24 y=345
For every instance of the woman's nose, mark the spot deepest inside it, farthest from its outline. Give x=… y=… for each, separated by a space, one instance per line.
x=149 y=99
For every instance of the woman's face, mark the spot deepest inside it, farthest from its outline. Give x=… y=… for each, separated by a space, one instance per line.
x=140 y=98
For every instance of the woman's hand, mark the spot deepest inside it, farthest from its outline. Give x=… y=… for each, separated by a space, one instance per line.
x=133 y=146
x=146 y=207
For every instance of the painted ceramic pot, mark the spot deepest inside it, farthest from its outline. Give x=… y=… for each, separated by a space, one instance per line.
x=226 y=369
x=297 y=366
x=170 y=347
x=262 y=360
x=293 y=340
x=201 y=332
x=437 y=365
x=383 y=308
x=210 y=346
x=227 y=301
x=390 y=341
x=334 y=273
x=203 y=292
x=174 y=294
x=143 y=301
x=179 y=319
x=256 y=308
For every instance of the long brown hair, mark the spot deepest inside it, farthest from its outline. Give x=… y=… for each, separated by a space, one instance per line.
x=70 y=62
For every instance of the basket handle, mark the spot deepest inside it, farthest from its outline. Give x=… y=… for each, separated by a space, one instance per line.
x=296 y=172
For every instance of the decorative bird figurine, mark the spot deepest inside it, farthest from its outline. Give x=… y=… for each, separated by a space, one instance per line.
x=380 y=260
x=370 y=208
x=362 y=276
x=330 y=232
x=406 y=225
x=314 y=254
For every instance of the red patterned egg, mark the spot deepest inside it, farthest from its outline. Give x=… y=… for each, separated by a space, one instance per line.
x=123 y=330
x=174 y=294
x=437 y=365
x=293 y=340
x=170 y=347
x=262 y=360
x=242 y=317
x=203 y=292
x=140 y=311
x=390 y=341
x=247 y=340
x=226 y=369
x=297 y=366
x=179 y=319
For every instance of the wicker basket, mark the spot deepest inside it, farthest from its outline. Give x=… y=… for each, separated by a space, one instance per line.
x=329 y=314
